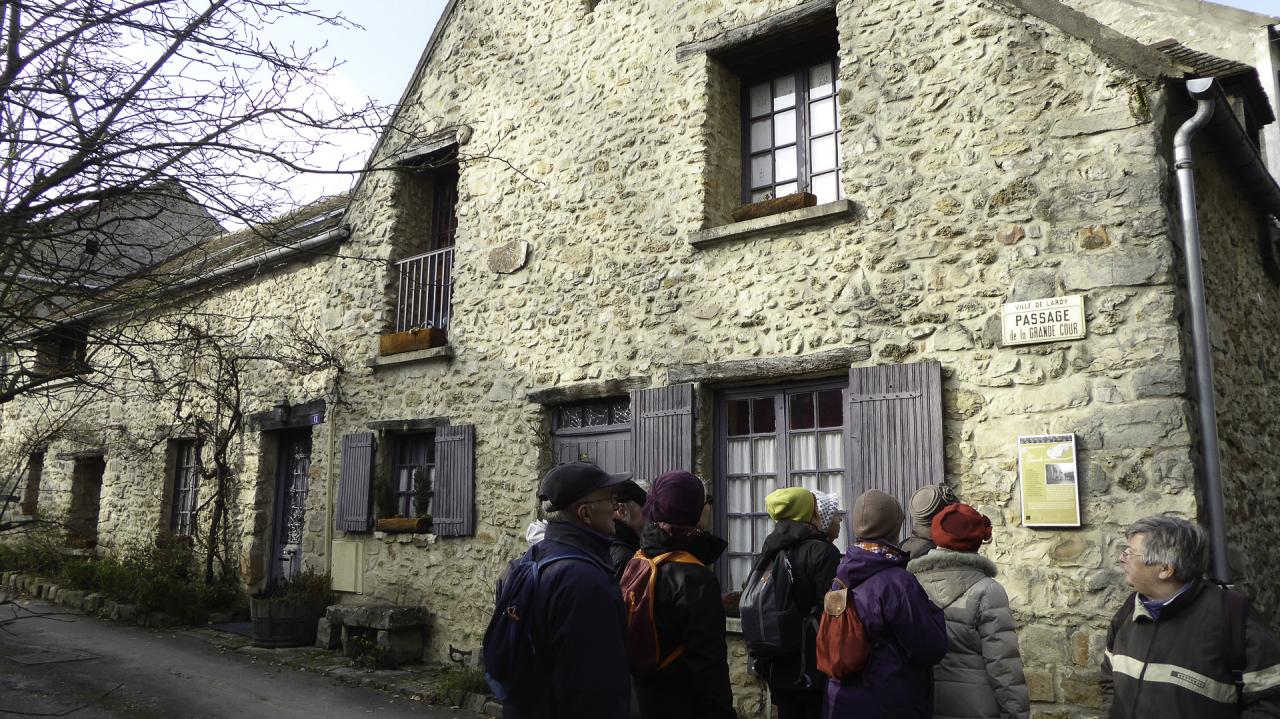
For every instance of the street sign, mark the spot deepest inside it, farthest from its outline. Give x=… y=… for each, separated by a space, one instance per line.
x=1052 y=319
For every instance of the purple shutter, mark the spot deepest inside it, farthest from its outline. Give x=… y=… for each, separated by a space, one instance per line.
x=662 y=430
x=453 y=506
x=353 y=493
x=895 y=428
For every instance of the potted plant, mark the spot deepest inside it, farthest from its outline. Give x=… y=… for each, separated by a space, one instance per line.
x=286 y=612
x=390 y=521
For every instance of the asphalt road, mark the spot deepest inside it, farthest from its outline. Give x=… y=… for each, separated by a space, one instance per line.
x=76 y=666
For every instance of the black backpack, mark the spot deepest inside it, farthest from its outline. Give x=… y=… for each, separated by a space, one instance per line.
x=772 y=622
x=511 y=664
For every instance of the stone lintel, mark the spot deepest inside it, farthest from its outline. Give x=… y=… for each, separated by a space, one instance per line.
x=83 y=454
x=435 y=353
x=286 y=416
x=771 y=367
x=408 y=425
x=586 y=390
x=831 y=211
x=796 y=18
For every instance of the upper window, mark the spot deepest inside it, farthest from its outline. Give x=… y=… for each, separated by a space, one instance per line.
x=186 y=486
x=791 y=133
x=774 y=438
x=413 y=473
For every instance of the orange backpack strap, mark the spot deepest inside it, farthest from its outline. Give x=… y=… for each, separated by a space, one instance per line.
x=680 y=557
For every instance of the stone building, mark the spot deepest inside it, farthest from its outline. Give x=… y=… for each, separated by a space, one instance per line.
x=566 y=269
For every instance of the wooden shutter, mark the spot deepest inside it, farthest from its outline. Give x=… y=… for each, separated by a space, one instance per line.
x=895 y=428
x=353 y=494
x=662 y=422
x=453 y=506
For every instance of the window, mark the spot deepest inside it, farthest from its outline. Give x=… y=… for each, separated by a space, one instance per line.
x=769 y=439
x=186 y=486
x=31 y=494
x=791 y=133
x=596 y=431
x=425 y=234
x=413 y=467
x=63 y=351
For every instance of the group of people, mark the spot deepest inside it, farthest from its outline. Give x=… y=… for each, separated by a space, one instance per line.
x=938 y=624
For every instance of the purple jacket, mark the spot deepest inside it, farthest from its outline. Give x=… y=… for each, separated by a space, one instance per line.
x=908 y=635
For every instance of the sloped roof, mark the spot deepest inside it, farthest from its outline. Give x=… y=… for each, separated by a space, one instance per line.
x=1236 y=77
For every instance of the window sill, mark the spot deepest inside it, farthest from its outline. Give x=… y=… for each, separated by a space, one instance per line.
x=417 y=540
x=435 y=353
x=830 y=212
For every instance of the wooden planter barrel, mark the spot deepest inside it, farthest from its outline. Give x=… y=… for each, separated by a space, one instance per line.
x=285 y=622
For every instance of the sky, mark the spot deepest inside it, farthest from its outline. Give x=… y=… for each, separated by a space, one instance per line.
x=379 y=56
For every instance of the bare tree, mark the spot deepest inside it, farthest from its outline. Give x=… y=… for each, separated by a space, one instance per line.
x=126 y=128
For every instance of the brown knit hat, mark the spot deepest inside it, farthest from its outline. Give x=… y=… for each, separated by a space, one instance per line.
x=877 y=515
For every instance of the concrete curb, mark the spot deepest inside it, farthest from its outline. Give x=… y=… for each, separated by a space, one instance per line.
x=420 y=682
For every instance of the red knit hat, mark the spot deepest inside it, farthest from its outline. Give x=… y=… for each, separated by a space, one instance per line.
x=960 y=527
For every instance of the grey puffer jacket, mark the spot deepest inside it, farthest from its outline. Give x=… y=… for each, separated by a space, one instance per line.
x=981 y=676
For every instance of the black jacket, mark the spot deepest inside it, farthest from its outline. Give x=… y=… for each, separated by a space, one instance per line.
x=813 y=565
x=688 y=611
x=917 y=546
x=622 y=547
x=580 y=628
x=1178 y=666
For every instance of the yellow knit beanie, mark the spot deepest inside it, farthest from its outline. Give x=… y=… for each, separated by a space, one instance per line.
x=794 y=503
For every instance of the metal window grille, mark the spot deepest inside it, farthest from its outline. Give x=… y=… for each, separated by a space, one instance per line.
x=791 y=134
x=186 y=486
x=425 y=290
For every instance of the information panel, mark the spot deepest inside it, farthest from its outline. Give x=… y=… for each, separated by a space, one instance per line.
x=1048 y=479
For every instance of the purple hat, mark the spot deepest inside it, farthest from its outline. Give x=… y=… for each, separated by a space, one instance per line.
x=676 y=498
x=567 y=483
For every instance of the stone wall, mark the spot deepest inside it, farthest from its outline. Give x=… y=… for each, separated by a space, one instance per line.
x=132 y=427
x=1244 y=326
x=989 y=158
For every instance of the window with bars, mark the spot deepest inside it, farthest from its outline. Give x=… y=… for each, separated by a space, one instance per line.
x=186 y=486
x=593 y=414
x=791 y=133
x=413 y=467
x=769 y=439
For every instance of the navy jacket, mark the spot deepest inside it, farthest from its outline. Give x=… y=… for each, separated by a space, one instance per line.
x=908 y=635
x=580 y=629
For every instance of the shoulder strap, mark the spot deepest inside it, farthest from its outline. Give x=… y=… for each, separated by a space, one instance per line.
x=1235 y=607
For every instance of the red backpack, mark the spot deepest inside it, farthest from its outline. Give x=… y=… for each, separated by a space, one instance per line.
x=842 y=643
x=639 y=593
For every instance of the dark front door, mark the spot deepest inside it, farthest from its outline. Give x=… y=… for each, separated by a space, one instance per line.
x=291 y=503
x=598 y=431
x=86 y=495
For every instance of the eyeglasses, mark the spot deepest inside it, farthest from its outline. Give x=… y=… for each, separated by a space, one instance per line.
x=611 y=500
x=1126 y=554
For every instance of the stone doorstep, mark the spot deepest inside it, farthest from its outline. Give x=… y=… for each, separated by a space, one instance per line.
x=376 y=616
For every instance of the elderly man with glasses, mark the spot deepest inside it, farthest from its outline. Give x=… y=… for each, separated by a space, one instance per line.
x=1182 y=647
x=578 y=622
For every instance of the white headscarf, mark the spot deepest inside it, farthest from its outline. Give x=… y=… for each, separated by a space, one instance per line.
x=537 y=529
x=828 y=506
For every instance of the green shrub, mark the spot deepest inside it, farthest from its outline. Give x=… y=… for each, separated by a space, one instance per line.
x=307 y=584
x=366 y=653
x=38 y=549
x=456 y=684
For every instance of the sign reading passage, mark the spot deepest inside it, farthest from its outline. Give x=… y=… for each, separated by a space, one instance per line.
x=1049 y=480
x=1048 y=320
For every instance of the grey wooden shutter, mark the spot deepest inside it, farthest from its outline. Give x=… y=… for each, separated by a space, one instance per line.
x=662 y=426
x=353 y=493
x=453 y=512
x=895 y=428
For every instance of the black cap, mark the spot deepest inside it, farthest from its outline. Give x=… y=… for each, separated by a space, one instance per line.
x=567 y=483
x=631 y=491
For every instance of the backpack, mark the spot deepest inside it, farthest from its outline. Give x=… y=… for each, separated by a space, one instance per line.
x=843 y=648
x=639 y=593
x=510 y=655
x=772 y=623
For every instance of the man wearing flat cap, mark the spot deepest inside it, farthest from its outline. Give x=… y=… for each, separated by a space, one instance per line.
x=628 y=523
x=578 y=620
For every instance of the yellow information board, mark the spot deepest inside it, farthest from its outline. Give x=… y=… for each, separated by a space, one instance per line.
x=1049 y=481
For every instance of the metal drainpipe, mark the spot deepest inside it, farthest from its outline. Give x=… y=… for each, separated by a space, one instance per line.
x=1202 y=90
